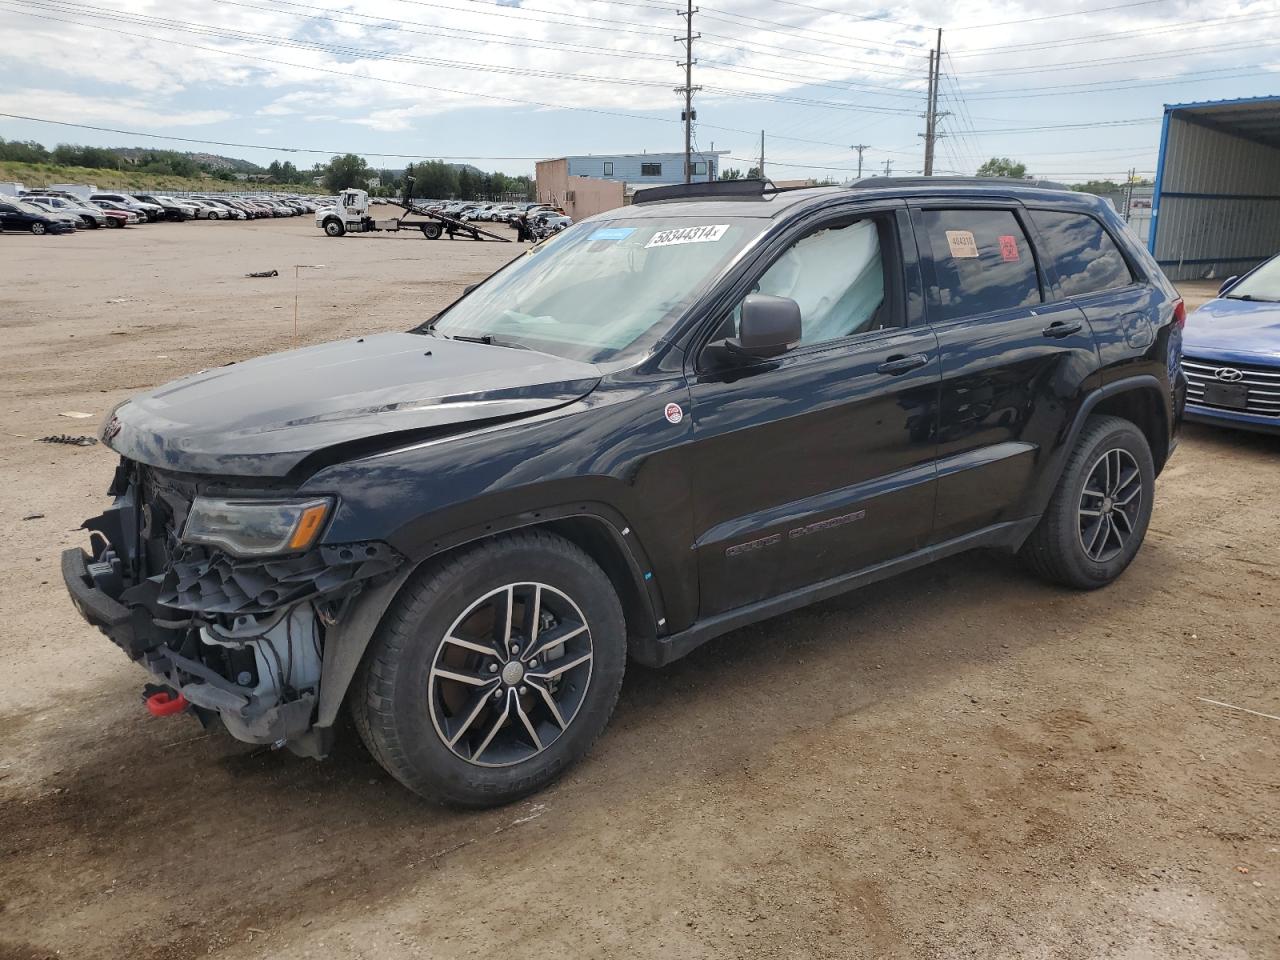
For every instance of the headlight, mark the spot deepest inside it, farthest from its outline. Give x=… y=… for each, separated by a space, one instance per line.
x=253 y=528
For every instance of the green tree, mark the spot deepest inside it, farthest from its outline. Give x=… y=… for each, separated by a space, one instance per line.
x=1002 y=167
x=733 y=173
x=466 y=184
x=346 y=171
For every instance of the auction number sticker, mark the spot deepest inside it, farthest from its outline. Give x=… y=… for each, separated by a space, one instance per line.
x=962 y=244
x=1008 y=248
x=673 y=413
x=670 y=238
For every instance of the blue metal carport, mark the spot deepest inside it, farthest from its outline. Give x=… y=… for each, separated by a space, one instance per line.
x=1216 y=210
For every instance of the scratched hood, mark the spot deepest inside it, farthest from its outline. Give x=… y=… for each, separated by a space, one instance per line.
x=261 y=418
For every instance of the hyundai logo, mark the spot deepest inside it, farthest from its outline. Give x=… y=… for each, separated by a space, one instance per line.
x=1229 y=374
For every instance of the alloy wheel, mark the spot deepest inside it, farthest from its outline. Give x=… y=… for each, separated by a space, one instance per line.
x=1110 y=505
x=511 y=674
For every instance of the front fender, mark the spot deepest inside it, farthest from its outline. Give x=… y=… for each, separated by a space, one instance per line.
x=347 y=640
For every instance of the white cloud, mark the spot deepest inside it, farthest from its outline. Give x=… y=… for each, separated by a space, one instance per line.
x=125 y=112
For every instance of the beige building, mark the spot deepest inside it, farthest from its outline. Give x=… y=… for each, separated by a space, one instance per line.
x=593 y=183
x=579 y=197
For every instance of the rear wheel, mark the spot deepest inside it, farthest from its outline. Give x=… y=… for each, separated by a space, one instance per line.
x=493 y=672
x=1098 y=516
x=213 y=215
x=431 y=231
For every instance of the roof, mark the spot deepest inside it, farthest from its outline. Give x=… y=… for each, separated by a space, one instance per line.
x=773 y=204
x=1253 y=118
x=678 y=154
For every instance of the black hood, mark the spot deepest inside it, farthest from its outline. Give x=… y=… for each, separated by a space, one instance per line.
x=262 y=417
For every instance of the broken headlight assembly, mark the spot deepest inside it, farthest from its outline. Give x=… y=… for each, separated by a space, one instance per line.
x=256 y=527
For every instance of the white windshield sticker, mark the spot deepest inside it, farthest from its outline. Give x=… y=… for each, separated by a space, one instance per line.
x=962 y=244
x=707 y=234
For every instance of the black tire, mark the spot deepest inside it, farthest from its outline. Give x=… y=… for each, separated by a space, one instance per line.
x=38 y=229
x=395 y=701
x=431 y=231
x=334 y=227
x=1066 y=547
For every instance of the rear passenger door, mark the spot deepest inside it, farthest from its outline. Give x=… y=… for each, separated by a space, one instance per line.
x=1092 y=272
x=1013 y=365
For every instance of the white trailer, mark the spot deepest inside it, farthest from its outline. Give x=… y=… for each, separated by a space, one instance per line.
x=82 y=191
x=11 y=188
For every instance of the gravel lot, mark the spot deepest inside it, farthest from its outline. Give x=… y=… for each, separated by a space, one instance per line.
x=959 y=762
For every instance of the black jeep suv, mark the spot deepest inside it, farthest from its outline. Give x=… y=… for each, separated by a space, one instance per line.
x=672 y=419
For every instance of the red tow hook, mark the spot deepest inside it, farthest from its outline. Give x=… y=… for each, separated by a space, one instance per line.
x=165 y=704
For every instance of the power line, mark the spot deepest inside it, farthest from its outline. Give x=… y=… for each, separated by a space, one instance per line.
x=1057 y=16
x=1169 y=27
x=252 y=146
x=88 y=10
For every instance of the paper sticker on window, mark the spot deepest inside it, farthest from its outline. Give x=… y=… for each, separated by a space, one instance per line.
x=612 y=233
x=962 y=244
x=1008 y=248
x=670 y=238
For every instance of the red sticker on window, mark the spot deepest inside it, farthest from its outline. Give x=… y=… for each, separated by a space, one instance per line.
x=1008 y=247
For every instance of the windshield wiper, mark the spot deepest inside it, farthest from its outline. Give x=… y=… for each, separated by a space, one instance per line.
x=490 y=341
x=1250 y=297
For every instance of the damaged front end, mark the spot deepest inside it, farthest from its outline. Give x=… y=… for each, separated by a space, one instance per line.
x=235 y=624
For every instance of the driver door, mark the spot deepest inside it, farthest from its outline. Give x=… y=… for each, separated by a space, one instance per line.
x=820 y=462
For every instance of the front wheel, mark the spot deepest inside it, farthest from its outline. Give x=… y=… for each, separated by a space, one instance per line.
x=334 y=228
x=431 y=231
x=1099 y=514
x=493 y=672
x=38 y=229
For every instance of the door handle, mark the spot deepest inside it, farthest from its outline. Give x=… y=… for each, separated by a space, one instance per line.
x=899 y=364
x=1062 y=328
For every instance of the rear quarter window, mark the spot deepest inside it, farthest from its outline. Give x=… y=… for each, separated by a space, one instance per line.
x=981 y=263
x=1084 y=256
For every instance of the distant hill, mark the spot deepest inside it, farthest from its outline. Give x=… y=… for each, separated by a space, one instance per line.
x=212 y=161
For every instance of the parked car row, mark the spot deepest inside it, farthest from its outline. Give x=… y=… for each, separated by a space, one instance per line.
x=67 y=210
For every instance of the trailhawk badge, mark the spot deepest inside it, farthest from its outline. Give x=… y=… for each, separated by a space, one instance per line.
x=673 y=413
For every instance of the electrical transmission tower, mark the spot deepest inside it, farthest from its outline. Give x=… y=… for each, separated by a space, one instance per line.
x=688 y=90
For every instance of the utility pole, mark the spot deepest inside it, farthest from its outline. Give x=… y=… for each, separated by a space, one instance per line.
x=688 y=89
x=761 y=154
x=888 y=168
x=860 y=147
x=932 y=114
x=1128 y=193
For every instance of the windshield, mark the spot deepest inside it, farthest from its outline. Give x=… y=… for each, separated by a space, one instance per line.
x=603 y=289
x=27 y=207
x=1262 y=284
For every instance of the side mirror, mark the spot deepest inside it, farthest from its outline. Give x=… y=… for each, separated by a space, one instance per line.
x=1227 y=284
x=768 y=326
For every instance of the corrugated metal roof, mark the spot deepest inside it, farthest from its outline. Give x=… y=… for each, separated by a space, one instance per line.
x=1254 y=118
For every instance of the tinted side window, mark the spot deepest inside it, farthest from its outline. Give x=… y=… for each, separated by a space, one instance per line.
x=1086 y=258
x=982 y=262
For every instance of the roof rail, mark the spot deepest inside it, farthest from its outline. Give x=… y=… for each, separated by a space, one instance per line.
x=875 y=182
x=713 y=190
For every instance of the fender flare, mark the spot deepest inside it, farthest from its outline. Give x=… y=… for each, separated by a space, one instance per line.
x=347 y=640
x=1058 y=459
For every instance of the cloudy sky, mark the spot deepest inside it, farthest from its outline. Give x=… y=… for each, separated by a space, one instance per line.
x=1072 y=87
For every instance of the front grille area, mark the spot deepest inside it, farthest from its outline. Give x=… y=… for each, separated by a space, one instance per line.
x=1262 y=384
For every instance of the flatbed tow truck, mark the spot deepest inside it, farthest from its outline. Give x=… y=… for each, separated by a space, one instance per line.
x=351 y=215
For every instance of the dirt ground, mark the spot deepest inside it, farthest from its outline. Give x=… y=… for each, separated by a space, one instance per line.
x=960 y=762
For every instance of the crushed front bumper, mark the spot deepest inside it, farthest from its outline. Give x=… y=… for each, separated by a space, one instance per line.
x=243 y=641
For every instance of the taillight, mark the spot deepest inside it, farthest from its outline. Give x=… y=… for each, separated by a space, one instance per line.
x=1179 y=314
